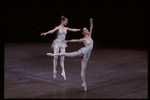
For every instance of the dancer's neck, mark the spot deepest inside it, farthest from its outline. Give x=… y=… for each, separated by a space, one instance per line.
x=62 y=25
x=86 y=36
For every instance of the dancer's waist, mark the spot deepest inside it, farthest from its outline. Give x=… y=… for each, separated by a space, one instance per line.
x=89 y=46
x=60 y=39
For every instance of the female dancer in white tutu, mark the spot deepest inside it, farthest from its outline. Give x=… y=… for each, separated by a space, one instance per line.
x=84 y=51
x=59 y=45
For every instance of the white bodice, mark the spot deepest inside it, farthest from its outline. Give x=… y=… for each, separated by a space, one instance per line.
x=61 y=34
x=87 y=42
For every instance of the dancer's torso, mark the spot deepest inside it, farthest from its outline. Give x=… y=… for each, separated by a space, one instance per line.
x=87 y=43
x=61 y=34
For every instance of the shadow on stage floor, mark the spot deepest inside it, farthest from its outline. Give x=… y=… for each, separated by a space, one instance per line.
x=111 y=72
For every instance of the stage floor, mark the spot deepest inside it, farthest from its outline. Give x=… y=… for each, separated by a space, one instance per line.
x=111 y=73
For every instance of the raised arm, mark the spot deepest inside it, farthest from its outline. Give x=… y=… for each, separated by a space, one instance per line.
x=49 y=32
x=72 y=29
x=91 y=26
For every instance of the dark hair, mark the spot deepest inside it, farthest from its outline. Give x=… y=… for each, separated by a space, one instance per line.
x=82 y=29
x=63 y=18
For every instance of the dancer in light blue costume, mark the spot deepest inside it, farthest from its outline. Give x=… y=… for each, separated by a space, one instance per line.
x=59 y=45
x=85 y=52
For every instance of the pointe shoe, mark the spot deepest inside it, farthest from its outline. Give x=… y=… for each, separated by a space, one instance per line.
x=84 y=85
x=50 y=54
x=64 y=75
x=54 y=73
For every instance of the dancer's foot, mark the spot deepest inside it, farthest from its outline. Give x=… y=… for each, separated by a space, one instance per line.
x=84 y=85
x=50 y=54
x=64 y=75
x=54 y=73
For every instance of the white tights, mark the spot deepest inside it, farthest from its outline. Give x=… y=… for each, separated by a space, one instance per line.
x=56 y=50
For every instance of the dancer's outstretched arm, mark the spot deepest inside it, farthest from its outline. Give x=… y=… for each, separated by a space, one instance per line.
x=75 y=40
x=73 y=29
x=50 y=31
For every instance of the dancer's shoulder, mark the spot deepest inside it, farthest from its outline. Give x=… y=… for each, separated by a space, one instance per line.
x=82 y=39
x=57 y=26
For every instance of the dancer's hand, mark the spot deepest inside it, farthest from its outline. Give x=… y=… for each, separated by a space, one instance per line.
x=64 y=41
x=43 y=34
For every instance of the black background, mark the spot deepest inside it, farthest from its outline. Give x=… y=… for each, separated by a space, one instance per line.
x=116 y=24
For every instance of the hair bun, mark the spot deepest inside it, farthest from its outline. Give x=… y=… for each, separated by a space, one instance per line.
x=62 y=16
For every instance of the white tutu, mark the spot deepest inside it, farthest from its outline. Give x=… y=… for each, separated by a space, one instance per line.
x=86 y=51
x=59 y=43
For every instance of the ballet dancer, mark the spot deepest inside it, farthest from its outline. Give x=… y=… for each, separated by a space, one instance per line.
x=85 y=52
x=58 y=45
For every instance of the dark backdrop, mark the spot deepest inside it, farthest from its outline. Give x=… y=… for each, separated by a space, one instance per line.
x=116 y=23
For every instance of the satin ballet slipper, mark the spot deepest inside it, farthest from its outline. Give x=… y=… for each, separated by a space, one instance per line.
x=64 y=75
x=54 y=73
x=85 y=87
x=50 y=54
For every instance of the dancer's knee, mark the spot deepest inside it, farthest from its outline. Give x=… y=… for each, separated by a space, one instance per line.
x=62 y=58
x=62 y=61
x=55 y=57
x=83 y=76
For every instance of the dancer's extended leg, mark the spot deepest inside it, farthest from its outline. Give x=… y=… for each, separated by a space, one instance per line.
x=83 y=69
x=72 y=54
x=56 y=50
x=62 y=63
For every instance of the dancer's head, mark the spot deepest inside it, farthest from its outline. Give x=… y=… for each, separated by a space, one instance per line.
x=85 y=31
x=64 y=20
